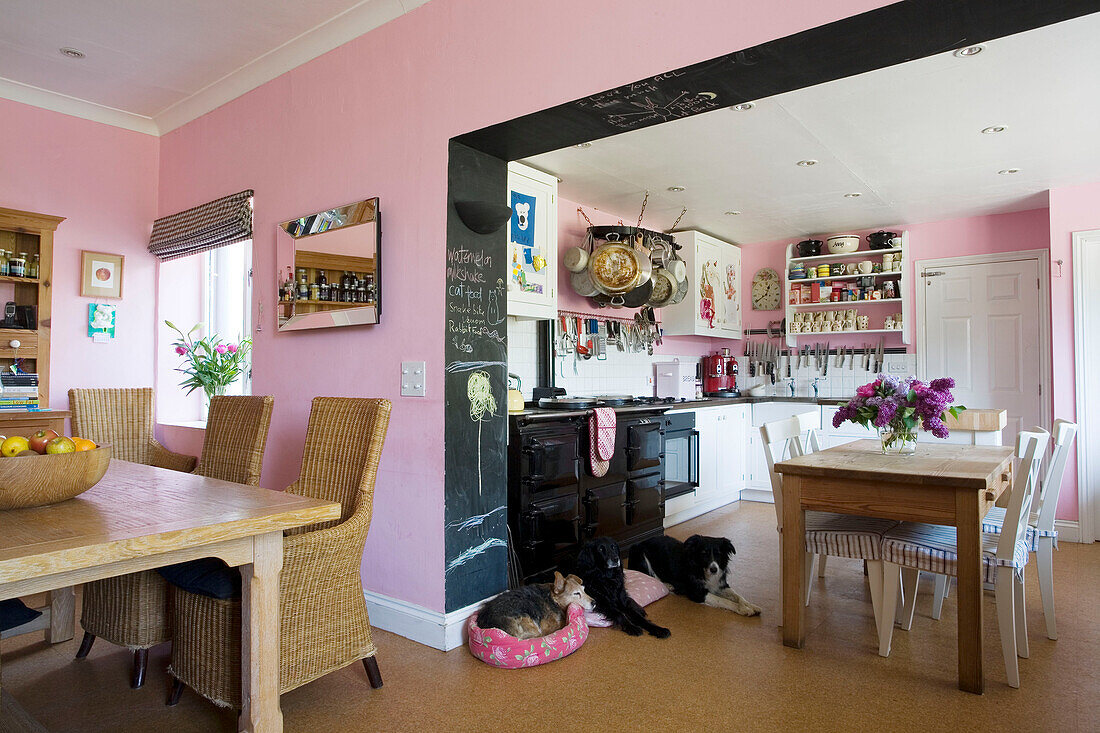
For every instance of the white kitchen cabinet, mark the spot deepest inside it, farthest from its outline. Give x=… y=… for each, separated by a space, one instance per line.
x=758 y=482
x=733 y=433
x=532 y=243
x=713 y=303
x=723 y=438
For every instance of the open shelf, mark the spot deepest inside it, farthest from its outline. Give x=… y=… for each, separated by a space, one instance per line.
x=842 y=304
x=845 y=255
x=13 y=279
x=839 y=333
x=896 y=273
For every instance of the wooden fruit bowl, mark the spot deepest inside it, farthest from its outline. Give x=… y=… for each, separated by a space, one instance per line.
x=47 y=479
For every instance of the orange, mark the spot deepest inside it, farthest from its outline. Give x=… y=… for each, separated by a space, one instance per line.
x=84 y=444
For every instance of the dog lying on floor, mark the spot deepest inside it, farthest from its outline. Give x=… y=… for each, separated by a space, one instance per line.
x=697 y=568
x=532 y=611
x=599 y=565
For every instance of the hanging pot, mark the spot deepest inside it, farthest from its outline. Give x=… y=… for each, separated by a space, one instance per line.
x=617 y=268
x=575 y=259
x=639 y=296
x=680 y=294
x=664 y=288
x=582 y=284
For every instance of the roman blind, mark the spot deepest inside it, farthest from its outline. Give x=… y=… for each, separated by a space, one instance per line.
x=218 y=223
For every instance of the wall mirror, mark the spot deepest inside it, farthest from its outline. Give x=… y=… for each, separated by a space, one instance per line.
x=330 y=268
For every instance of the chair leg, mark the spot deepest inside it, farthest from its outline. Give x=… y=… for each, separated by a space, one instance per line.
x=943 y=583
x=891 y=586
x=808 y=573
x=821 y=565
x=174 y=693
x=1021 y=618
x=85 y=645
x=373 y=675
x=1006 y=620
x=1045 y=557
x=910 y=577
x=874 y=580
x=141 y=663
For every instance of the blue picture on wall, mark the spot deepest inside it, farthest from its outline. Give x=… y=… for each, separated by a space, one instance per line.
x=522 y=226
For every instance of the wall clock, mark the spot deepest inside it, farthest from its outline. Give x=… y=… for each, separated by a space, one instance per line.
x=766 y=290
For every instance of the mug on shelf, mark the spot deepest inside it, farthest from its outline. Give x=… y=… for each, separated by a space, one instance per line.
x=862 y=322
x=865 y=267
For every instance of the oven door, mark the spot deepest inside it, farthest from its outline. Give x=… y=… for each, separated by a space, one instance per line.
x=548 y=528
x=681 y=464
x=644 y=499
x=549 y=461
x=644 y=445
x=604 y=510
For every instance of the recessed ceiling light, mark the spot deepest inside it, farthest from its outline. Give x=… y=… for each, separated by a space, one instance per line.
x=1008 y=171
x=743 y=107
x=807 y=163
x=853 y=195
x=583 y=145
x=969 y=51
x=732 y=213
x=993 y=129
x=73 y=53
x=676 y=189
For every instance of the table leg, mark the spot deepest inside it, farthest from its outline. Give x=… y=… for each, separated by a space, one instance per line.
x=794 y=556
x=260 y=636
x=968 y=523
x=62 y=615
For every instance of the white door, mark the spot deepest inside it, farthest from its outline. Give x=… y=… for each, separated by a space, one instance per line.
x=982 y=328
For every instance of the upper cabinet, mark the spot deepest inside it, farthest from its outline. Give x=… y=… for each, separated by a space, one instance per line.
x=713 y=305
x=532 y=243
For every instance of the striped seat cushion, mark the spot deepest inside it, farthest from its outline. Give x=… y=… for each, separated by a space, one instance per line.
x=932 y=547
x=845 y=535
x=995 y=518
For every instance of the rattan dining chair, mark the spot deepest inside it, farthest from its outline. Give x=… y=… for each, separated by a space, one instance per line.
x=827 y=533
x=123 y=418
x=323 y=615
x=132 y=610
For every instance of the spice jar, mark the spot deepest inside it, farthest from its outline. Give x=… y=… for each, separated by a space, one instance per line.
x=32 y=268
x=17 y=266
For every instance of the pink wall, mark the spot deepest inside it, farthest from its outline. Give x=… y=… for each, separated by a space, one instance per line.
x=571 y=230
x=1072 y=209
x=950 y=238
x=338 y=142
x=104 y=181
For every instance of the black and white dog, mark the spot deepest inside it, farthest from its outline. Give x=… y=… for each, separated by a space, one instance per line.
x=599 y=565
x=697 y=569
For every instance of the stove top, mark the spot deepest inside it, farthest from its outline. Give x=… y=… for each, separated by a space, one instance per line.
x=587 y=403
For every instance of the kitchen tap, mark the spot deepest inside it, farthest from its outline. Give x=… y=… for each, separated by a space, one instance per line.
x=790 y=384
x=816 y=380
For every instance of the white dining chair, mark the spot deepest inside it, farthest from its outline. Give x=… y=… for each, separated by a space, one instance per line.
x=827 y=533
x=933 y=548
x=1042 y=537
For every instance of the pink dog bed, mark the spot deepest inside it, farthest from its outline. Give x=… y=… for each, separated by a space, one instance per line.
x=494 y=647
x=644 y=589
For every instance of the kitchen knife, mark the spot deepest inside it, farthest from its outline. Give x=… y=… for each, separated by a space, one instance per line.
x=825 y=368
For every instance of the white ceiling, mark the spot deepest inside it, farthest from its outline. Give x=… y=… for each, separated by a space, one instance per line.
x=154 y=65
x=906 y=137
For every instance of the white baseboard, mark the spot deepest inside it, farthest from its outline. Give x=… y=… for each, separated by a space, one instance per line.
x=761 y=495
x=1068 y=531
x=693 y=512
x=443 y=631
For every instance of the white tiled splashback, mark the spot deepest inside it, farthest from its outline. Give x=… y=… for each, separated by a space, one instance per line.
x=633 y=374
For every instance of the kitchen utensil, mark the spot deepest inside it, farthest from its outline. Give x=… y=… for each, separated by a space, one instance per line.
x=616 y=267
x=662 y=287
x=639 y=296
x=843 y=243
x=676 y=266
x=567 y=403
x=809 y=248
x=575 y=259
x=601 y=341
x=825 y=359
x=515 y=396
x=881 y=239
x=583 y=284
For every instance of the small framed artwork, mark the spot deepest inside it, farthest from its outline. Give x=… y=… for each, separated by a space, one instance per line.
x=101 y=321
x=100 y=275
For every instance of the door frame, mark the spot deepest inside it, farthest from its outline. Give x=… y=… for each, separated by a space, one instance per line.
x=1085 y=314
x=1042 y=258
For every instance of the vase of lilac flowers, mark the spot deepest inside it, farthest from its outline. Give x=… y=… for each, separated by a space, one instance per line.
x=898 y=408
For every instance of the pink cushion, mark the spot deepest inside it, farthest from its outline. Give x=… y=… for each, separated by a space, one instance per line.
x=499 y=649
x=644 y=589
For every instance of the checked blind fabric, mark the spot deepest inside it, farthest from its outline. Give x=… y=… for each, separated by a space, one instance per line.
x=221 y=222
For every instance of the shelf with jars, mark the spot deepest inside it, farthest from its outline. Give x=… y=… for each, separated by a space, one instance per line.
x=324 y=282
x=849 y=281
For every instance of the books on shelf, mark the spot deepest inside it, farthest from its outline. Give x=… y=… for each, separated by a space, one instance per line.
x=18 y=391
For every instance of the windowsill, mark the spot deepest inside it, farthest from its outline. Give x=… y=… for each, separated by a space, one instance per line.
x=194 y=424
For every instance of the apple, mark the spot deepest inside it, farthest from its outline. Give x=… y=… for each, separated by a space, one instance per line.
x=60 y=445
x=13 y=446
x=103 y=274
x=37 y=442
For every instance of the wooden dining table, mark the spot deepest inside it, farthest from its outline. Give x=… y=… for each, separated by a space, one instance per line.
x=941 y=484
x=140 y=517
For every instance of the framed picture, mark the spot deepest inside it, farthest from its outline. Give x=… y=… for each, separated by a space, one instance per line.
x=100 y=275
x=101 y=321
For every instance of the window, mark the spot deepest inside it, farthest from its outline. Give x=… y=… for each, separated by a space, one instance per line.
x=227 y=299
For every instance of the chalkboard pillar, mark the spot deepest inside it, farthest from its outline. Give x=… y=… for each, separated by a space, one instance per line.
x=475 y=387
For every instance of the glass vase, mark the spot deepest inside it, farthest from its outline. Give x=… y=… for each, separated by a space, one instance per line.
x=897 y=441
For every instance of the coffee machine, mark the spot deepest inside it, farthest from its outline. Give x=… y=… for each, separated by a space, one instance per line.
x=720 y=375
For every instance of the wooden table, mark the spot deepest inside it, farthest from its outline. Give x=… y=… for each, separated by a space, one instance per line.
x=942 y=484
x=140 y=517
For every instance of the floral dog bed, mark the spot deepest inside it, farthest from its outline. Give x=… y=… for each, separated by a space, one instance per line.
x=494 y=647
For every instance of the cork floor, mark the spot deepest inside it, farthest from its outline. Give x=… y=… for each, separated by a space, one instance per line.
x=717 y=672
